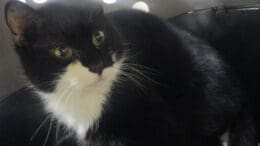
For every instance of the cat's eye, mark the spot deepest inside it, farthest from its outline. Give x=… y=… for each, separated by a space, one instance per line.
x=98 y=38
x=63 y=53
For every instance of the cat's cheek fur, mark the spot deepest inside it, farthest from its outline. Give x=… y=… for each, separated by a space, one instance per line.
x=78 y=99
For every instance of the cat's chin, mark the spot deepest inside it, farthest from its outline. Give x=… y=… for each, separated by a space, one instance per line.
x=97 y=82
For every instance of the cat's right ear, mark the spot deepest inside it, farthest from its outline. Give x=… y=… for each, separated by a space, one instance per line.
x=18 y=17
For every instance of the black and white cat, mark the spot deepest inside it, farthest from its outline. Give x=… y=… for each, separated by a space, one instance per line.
x=126 y=78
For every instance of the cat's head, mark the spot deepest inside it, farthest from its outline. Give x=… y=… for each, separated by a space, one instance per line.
x=75 y=44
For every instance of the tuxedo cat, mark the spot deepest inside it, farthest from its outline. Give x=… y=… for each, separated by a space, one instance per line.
x=126 y=78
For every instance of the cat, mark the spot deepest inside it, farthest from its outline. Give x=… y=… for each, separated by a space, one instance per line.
x=126 y=78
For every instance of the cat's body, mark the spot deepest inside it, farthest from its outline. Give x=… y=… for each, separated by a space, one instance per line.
x=148 y=84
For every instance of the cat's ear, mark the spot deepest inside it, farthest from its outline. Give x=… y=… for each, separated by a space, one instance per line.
x=18 y=17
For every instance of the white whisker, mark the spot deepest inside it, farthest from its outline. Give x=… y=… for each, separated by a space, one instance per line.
x=57 y=131
x=135 y=80
x=48 y=133
x=143 y=75
x=144 y=68
x=40 y=126
x=64 y=138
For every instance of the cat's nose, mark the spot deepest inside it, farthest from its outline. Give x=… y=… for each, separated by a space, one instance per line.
x=97 y=68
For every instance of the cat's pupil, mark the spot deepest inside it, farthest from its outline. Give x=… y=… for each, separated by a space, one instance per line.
x=98 y=38
x=60 y=52
x=63 y=52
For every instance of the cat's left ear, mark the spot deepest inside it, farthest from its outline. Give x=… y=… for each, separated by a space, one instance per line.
x=19 y=17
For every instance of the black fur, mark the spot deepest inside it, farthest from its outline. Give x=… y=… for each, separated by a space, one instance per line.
x=234 y=32
x=186 y=98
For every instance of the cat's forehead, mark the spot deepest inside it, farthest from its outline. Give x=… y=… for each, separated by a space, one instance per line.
x=68 y=9
x=70 y=20
x=68 y=15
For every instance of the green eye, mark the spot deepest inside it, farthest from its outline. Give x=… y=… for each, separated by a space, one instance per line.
x=98 y=38
x=62 y=52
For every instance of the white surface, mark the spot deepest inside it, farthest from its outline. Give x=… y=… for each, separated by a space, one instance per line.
x=141 y=6
x=109 y=1
x=24 y=1
x=40 y=1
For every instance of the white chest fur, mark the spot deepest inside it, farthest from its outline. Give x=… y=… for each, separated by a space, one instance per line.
x=79 y=96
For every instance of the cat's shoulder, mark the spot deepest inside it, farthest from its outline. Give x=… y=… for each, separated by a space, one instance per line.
x=133 y=16
x=20 y=99
x=21 y=113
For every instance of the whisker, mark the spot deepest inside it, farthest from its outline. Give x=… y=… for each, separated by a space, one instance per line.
x=48 y=133
x=151 y=70
x=64 y=138
x=140 y=75
x=145 y=76
x=57 y=131
x=135 y=80
x=38 y=129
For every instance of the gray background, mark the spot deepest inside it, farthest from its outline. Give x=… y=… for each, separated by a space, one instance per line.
x=10 y=70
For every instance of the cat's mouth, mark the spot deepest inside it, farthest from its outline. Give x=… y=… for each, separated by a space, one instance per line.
x=106 y=76
x=79 y=77
x=97 y=81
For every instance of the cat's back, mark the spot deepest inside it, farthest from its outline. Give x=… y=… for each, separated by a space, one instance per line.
x=130 y=16
x=137 y=23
